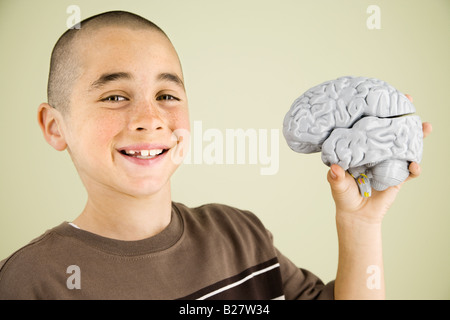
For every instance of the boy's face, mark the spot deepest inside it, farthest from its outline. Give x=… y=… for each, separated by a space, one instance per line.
x=126 y=110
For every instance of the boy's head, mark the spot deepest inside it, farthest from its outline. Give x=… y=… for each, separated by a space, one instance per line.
x=65 y=60
x=117 y=102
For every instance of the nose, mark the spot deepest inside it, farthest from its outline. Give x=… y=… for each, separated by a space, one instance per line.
x=146 y=117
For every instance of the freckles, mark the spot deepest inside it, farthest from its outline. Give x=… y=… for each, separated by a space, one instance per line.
x=103 y=128
x=179 y=119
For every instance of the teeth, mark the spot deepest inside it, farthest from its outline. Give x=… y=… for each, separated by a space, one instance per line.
x=155 y=152
x=144 y=153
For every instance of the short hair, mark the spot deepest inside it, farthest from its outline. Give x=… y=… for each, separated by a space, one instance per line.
x=64 y=67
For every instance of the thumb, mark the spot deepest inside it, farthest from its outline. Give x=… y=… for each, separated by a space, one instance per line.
x=338 y=182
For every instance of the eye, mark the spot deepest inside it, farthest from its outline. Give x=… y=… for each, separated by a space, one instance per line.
x=167 y=97
x=114 y=98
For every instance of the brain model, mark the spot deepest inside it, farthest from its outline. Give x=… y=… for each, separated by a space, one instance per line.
x=362 y=124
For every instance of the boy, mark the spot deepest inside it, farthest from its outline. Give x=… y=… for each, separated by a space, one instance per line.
x=117 y=103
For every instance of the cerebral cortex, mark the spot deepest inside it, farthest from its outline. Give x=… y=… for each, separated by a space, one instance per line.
x=362 y=124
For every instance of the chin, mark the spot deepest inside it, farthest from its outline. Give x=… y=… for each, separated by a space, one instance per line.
x=146 y=188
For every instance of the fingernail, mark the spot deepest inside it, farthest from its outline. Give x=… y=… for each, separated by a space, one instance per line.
x=333 y=175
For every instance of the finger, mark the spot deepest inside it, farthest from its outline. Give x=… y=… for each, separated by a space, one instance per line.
x=426 y=128
x=336 y=178
x=415 y=170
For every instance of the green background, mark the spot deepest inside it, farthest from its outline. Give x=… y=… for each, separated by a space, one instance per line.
x=244 y=64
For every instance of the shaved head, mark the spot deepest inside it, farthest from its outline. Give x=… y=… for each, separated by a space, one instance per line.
x=64 y=64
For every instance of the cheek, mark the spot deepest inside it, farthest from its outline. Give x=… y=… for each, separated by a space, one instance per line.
x=96 y=132
x=180 y=119
x=105 y=128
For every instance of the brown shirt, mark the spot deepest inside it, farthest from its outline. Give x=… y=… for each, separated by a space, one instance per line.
x=210 y=252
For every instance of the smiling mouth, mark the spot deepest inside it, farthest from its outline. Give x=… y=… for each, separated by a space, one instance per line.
x=144 y=154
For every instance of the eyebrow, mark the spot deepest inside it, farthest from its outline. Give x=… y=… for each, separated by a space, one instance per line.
x=171 y=77
x=110 y=77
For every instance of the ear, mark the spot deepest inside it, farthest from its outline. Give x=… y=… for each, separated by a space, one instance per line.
x=50 y=121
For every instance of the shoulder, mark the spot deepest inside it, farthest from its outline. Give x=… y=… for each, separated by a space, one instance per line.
x=226 y=220
x=19 y=268
x=23 y=251
x=218 y=210
x=220 y=213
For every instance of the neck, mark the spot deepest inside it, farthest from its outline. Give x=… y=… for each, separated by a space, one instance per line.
x=125 y=217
